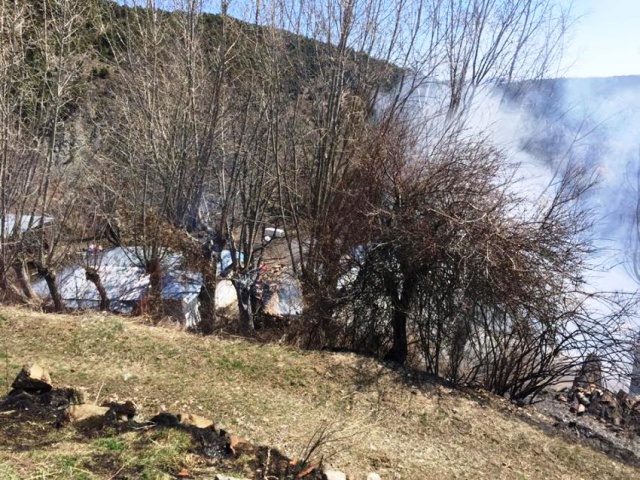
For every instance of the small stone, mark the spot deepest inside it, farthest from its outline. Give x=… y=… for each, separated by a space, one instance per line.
x=373 y=476
x=79 y=413
x=33 y=378
x=237 y=446
x=329 y=474
x=191 y=420
x=562 y=398
x=583 y=399
x=581 y=409
x=219 y=476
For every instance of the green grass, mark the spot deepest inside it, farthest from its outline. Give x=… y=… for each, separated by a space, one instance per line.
x=271 y=395
x=7 y=472
x=111 y=444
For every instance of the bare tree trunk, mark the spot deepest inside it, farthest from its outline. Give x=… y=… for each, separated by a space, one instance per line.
x=245 y=309
x=399 y=349
x=94 y=277
x=4 y=281
x=208 y=298
x=9 y=292
x=155 y=287
x=50 y=277
x=22 y=276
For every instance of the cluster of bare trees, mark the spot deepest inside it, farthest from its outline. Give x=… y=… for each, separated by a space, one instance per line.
x=160 y=127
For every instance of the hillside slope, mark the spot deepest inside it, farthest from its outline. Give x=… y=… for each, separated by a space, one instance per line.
x=378 y=420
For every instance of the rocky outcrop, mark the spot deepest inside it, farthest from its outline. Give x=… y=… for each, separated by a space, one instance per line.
x=619 y=410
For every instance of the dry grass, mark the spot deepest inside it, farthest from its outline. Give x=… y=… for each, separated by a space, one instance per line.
x=271 y=395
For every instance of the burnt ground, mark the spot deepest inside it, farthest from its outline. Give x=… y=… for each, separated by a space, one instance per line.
x=32 y=421
x=619 y=442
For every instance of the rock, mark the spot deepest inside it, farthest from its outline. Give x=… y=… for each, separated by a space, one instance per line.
x=373 y=476
x=219 y=476
x=562 y=398
x=191 y=420
x=77 y=395
x=329 y=474
x=581 y=409
x=61 y=398
x=608 y=398
x=624 y=399
x=237 y=446
x=33 y=378
x=583 y=399
x=79 y=413
x=333 y=475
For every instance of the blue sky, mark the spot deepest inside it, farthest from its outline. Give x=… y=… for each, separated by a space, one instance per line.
x=605 y=41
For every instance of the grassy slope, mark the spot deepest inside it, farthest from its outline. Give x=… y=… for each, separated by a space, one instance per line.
x=272 y=395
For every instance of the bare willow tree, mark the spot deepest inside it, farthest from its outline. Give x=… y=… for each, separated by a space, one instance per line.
x=472 y=281
x=370 y=63
x=156 y=169
x=349 y=55
x=40 y=174
x=15 y=173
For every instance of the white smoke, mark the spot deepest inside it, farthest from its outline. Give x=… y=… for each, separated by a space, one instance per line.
x=594 y=122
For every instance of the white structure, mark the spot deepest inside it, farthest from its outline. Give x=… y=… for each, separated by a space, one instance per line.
x=126 y=282
x=24 y=223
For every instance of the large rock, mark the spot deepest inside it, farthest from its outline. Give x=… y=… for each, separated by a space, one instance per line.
x=80 y=413
x=33 y=378
x=582 y=398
